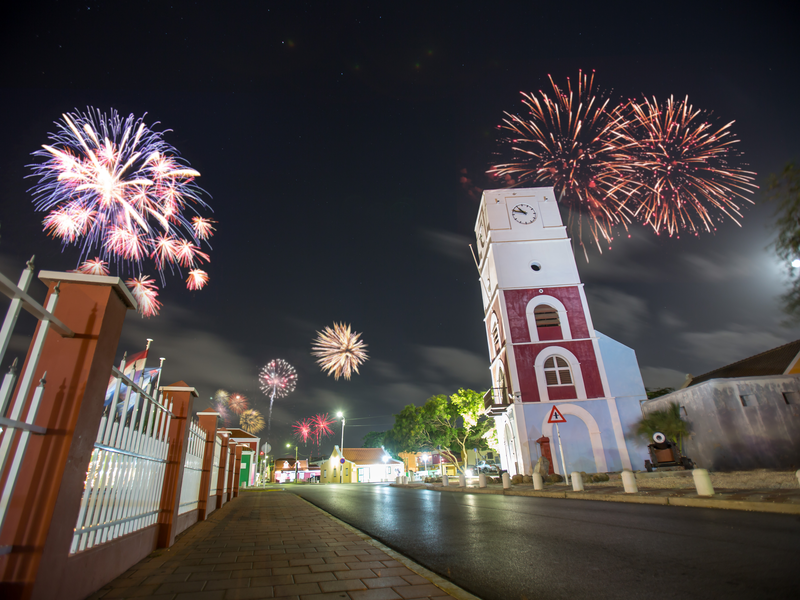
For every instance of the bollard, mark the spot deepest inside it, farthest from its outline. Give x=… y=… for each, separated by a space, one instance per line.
x=702 y=481
x=397 y=479
x=482 y=480
x=798 y=476
x=506 y=481
x=404 y=480
x=445 y=481
x=629 y=482
x=462 y=480
x=577 y=481
x=538 y=482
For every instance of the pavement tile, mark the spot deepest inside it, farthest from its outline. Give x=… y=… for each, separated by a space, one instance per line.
x=166 y=578
x=142 y=591
x=177 y=588
x=296 y=562
x=227 y=584
x=325 y=596
x=356 y=574
x=311 y=577
x=295 y=570
x=329 y=567
x=379 y=594
x=394 y=572
x=418 y=591
x=211 y=575
x=296 y=589
x=415 y=579
x=250 y=573
x=391 y=563
x=212 y=595
x=271 y=580
x=382 y=582
x=342 y=585
x=249 y=593
x=338 y=559
x=373 y=564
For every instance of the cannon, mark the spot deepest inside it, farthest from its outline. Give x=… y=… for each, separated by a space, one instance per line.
x=665 y=453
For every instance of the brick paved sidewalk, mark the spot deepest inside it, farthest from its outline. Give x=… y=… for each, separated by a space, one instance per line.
x=271 y=544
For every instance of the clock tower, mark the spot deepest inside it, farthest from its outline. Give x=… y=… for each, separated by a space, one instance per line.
x=543 y=348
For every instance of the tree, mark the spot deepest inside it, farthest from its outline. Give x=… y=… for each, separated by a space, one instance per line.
x=785 y=190
x=374 y=439
x=657 y=392
x=666 y=420
x=448 y=424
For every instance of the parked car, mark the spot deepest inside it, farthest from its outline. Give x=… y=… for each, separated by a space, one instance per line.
x=489 y=468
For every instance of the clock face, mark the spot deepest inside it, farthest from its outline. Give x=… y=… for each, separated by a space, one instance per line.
x=523 y=213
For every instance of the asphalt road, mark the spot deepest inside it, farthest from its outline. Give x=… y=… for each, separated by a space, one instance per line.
x=508 y=547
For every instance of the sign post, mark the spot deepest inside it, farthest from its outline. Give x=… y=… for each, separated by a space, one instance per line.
x=556 y=417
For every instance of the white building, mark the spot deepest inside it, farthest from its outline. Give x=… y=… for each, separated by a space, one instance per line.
x=543 y=347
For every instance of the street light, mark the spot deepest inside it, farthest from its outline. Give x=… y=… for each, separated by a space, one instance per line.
x=288 y=445
x=340 y=414
x=425 y=463
x=385 y=460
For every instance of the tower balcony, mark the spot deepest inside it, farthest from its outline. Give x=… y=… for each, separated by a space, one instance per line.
x=496 y=401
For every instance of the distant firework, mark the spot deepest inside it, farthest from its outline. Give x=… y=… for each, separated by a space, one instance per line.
x=94 y=267
x=251 y=421
x=339 y=350
x=321 y=426
x=114 y=186
x=238 y=403
x=223 y=410
x=683 y=163
x=222 y=396
x=278 y=378
x=144 y=291
x=574 y=141
x=303 y=430
x=197 y=279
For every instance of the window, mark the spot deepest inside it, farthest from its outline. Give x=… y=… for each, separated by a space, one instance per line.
x=791 y=397
x=495 y=333
x=557 y=372
x=747 y=400
x=546 y=316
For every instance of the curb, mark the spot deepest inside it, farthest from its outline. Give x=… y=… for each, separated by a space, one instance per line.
x=710 y=502
x=443 y=584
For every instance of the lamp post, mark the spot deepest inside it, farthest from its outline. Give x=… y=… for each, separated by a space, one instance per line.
x=385 y=460
x=340 y=414
x=295 y=460
x=425 y=463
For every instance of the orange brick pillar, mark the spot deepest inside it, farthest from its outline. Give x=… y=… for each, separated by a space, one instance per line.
x=182 y=397
x=238 y=469
x=222 y=498
x=43 y=508
x=208 y=421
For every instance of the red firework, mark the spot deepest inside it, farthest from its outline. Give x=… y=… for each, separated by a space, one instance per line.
x=321 y=426
x=683 y=162
x=303 y=430
x=574 y=140
x=238 y=403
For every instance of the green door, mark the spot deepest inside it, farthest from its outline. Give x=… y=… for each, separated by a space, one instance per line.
x=244 y=473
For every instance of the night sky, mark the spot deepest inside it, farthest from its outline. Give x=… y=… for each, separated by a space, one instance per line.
x=334 y=141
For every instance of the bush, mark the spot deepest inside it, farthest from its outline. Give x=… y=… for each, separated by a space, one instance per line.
x=516 y=479
x=598 y=477
x=554 y=478
x=527 y=479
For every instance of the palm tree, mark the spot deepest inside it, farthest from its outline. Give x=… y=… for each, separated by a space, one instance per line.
x=666 y=420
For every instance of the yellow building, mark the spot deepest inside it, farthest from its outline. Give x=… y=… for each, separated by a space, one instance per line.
x=359 y=465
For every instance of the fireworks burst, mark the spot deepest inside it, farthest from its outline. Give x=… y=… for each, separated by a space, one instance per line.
x=339 y=350
x=575 y=141
x=94 y=267
x=303 y=430
x=321 y=426
x=251 y=421
x=197 y=279
x=144 y=290
x=278 y=378
x=114 y=186
x=223 y=410
x=682 y=162
x=238 y=403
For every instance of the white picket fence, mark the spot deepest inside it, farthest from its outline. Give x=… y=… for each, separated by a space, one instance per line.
x=123 y=486
x=192 y=469
x=14 y=430
x=215 y=472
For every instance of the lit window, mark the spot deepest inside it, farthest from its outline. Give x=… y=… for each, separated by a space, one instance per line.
x=546 y=316
x=557 y=372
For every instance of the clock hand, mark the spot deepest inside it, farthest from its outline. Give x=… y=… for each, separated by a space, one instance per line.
x=518 y=209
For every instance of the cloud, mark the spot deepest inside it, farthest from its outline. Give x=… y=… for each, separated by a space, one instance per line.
x=386 y=369
x=725 y=346
x=671 y=320
x=202 y=359
x=616 y=313
x=450 y=245
x=716 y=267
x=454 y=366
x=661 y=377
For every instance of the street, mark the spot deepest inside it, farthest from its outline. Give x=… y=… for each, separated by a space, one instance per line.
x=505 y=547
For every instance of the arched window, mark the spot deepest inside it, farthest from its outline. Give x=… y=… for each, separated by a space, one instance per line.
x=495 y=334
x=557 y=371
x=546 y=316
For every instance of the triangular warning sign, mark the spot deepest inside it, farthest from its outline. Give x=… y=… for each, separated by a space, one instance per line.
x=556 y=416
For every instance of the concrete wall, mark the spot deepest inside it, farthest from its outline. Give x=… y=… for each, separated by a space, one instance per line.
x=727 y=434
